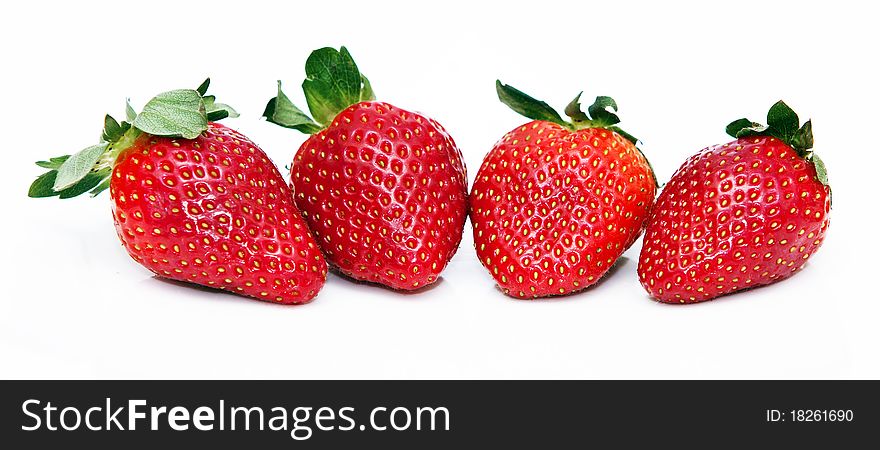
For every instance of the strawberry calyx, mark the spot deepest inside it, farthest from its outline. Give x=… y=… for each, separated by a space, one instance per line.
x=333 y=83
x=601 y=114
x=783 y=124
x=182 y=113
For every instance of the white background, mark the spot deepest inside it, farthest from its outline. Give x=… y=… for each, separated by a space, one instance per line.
x=74 y=305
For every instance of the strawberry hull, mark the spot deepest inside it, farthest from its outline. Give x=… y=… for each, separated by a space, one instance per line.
x=384 y=191
x=216 y=212
x=735 y=216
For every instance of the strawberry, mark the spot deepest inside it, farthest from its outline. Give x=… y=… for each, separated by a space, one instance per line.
x=195 y=201
x=555 y=203
x=738 y=215
x=384 y=190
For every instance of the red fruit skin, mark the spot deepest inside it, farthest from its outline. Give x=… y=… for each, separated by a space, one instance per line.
x=214 y=211
x=384 y=191
x=734 y=216
x=552 y=209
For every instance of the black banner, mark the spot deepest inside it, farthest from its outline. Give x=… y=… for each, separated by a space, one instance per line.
x=440 y=414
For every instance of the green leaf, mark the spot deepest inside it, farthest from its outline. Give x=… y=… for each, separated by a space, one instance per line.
x=93 y=182
x=733 y=128
x=53 y=163
x=600 y=114
x=203 y=88
x=281 y=111
x=215 y=116
x=573 y=110
x=755 y=130
x=179 y=113
x=42 y=186
x=215 y=111
x=124 y=127
x=230 y=111
x=130 y=115
x=78 y=166
x=821 y=171
x=221 y=111
x=783 y=124
x=103 y=186
x=803 y=138
x=526 y=105
x=783 y=121
x=113 y=130
x=86 y=184
x=367 y=94
x=332 y=83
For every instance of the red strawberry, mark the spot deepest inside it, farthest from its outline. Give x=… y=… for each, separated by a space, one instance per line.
x=738 y=215
x=196 y=201
x=383 y=189
x=555 y=203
